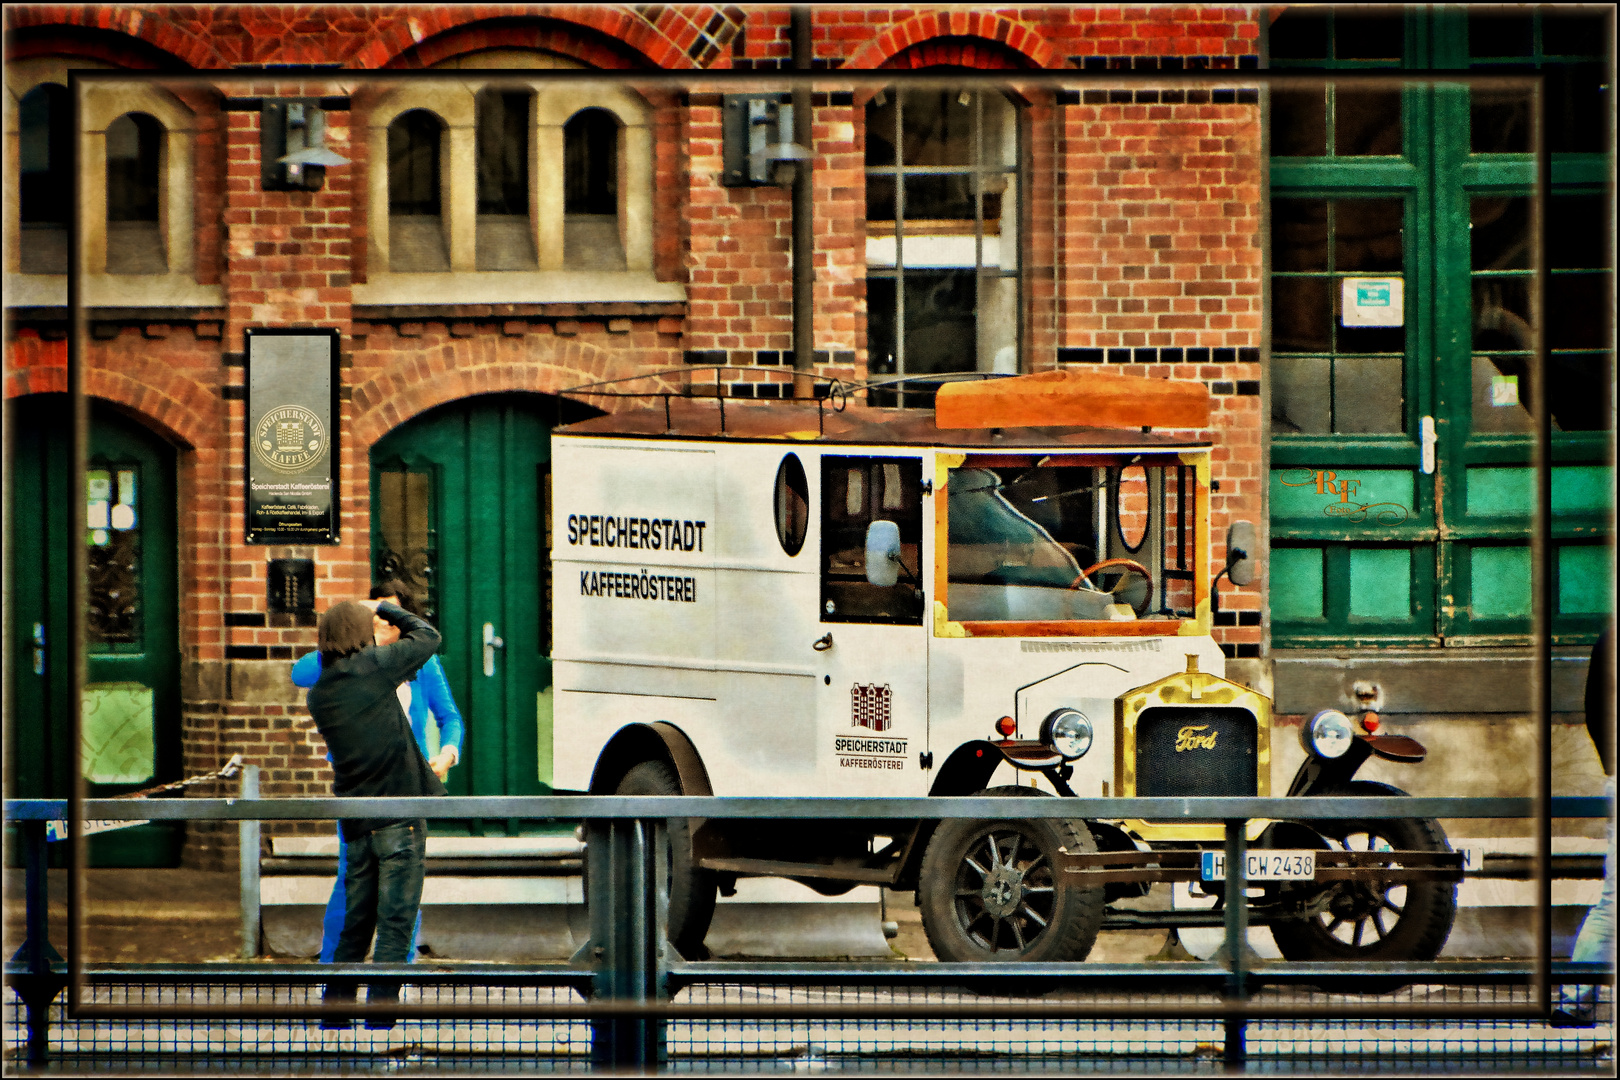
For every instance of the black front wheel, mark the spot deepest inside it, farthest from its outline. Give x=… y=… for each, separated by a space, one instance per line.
x=990 y=890
x=1369 y=919
x=691 y=890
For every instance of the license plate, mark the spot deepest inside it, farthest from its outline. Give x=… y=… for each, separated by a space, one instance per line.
x=1265 y=865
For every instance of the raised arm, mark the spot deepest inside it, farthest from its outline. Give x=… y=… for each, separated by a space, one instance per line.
x=417 y=641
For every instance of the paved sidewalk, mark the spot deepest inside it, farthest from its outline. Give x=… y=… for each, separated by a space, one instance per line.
x=141 y=916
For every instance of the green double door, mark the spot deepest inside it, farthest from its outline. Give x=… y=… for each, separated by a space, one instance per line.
x=130 y=715
x=459 y=513
x=1406 y=222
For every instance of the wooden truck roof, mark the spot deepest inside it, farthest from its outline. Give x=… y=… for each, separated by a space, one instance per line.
x=1025 y=411
x=792 y=421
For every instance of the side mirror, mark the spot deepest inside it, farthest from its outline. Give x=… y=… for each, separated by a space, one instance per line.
x=883 y=553
x=1241 y=544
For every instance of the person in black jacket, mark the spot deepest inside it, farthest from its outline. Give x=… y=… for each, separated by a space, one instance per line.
x=357 y=710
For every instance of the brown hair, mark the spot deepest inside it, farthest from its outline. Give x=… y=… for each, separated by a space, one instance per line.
x=395 y=588
x=344 y=630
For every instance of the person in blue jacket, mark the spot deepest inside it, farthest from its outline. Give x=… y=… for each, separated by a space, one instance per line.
x=429 y=693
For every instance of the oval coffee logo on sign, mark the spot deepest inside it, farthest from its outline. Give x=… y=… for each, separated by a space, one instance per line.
x=289 y=438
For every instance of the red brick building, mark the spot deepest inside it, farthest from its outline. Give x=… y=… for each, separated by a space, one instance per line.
x=1082 y=185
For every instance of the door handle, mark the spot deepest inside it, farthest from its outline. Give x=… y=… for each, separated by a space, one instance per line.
x=1426 y=440
x=491 y=643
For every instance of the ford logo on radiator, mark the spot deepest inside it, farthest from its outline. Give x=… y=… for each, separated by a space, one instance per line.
x=1188 y=738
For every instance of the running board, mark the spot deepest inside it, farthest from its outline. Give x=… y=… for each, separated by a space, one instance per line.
x=858 y=873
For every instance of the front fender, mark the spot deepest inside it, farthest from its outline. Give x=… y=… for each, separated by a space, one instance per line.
x=970 y=766
x=1316 y=775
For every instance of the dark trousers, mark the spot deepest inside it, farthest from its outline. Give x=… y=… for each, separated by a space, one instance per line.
x=384 y=893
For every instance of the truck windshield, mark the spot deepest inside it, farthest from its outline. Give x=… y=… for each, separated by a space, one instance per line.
x=1043 y=540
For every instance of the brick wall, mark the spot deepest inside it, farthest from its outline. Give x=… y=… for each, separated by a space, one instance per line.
x=1142 y=255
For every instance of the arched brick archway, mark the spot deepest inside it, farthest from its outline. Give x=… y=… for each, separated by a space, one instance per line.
x=390 y=399
x=993 y=29
x=587 y=43
x=148 y=25
x=177 y=407
x=959 y=52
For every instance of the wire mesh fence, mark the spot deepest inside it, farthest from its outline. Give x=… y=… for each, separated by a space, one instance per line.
x=1157 y=1044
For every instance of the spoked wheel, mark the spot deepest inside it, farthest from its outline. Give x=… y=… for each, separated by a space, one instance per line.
x=1371 y=919
x=991 y=891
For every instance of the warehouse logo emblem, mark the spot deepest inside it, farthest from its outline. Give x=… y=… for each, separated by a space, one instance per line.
x=869 y=706
x=1328 y=482
x=289 y=438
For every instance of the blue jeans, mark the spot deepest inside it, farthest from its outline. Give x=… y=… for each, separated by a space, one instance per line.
x=1595 y=942
x=383 y=893
x=337 y=906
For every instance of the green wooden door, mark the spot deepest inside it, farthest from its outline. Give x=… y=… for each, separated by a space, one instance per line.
x=459 y=498
x=1402 y=474
x=131 y=706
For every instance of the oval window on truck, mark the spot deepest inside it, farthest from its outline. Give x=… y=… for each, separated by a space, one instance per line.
x=792 y=504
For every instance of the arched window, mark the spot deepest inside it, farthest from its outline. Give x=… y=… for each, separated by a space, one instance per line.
x=505 y=233
x=416 y=240
x=591 y=238
x=46 y=185
x=942 y=233
x=134 y=195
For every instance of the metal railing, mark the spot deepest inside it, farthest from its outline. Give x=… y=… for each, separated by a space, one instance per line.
x=627 y=978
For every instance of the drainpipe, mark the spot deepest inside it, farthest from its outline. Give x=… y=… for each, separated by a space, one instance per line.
x=804 y=271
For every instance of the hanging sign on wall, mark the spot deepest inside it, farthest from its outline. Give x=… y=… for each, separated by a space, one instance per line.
x=1372 y=302
x=292 y=451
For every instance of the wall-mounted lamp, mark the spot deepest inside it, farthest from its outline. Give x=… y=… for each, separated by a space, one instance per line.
x=757 y=141
x=292 y=145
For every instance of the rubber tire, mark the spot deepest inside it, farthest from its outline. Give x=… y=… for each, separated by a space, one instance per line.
x=1431 y=906
x=1076 y=915
x=691 y=890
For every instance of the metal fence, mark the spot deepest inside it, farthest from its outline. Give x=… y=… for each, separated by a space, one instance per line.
x=629 y=1003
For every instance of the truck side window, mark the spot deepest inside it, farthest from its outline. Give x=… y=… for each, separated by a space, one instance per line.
x=856 y=491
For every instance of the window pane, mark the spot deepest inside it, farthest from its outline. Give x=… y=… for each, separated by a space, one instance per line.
x=133 y=145
x=880 y=118
x=940 y=321
x=1577 y=232
x=1299 y=122
x=413 y=164
x=1502 y=317
x=880 y=198
x=1499 y=120
x=1578 y=103
x=112 y=515
x=1367 y=394
x=1500 y=582
x=1368 y=37
x=1578 y=306
x=880 y=340
x=1499 y=34
x=1580 y=391
x=1367 y=235
x=1574 y=33
x=405 y=525
x=1301 y=314
x=1370 y=339
x=939 y=198
x=1299 y=229
x=503 y=152
x=937 y=127
x=1366 y=122
x=1499 y=233
x=117 y=733
x=1583 y=579
x=1296 y=584
x=1381 y=583
x=1501 y=394
x=1300 y=34
x=1299 y=396
x=42 y=158
x=591 y=163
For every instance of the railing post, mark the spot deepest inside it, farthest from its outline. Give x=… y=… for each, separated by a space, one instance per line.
x=1237 y=936
x=40 y=985
x=248 y=858
x=628 y=897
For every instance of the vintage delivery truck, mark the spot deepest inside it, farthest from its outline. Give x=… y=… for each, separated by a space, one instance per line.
x=1011 y=589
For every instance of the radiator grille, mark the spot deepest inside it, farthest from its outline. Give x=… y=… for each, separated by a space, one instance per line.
x=1216 y=756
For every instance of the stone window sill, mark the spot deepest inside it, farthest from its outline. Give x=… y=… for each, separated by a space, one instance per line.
x=113 y=290
x=518 y=287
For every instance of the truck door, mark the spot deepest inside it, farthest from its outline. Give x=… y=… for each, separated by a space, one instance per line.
x=873 y=716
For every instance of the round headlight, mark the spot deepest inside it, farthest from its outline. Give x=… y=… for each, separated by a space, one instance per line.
x=1328 y=734
x=1068 y=732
